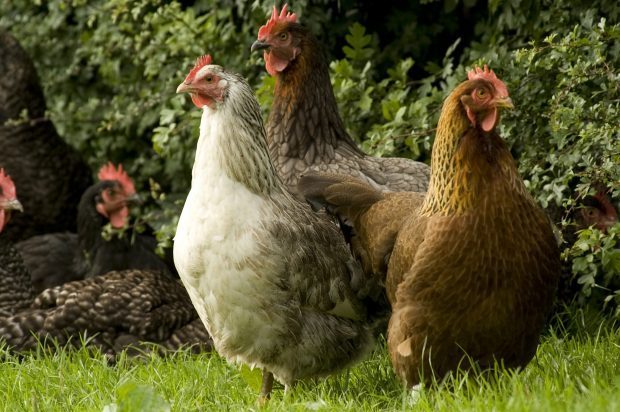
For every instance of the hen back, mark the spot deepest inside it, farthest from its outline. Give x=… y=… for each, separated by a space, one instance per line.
x=50 y=174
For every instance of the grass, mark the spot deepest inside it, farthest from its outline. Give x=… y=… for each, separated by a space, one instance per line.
x=577 y=368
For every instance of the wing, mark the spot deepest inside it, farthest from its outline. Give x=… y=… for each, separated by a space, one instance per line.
x=396 y=173
x=374 y=217
x=50 y=259
x=317 y=266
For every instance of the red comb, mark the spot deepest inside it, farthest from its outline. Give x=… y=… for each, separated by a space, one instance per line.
x=489 y=75
x=109 y=172
x=201 y=62
x=7 y=186
x=276 y=18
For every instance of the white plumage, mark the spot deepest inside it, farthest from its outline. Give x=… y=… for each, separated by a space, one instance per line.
x=274 y=283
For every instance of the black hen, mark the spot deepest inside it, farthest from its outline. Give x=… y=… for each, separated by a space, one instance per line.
x=114 y=311
x=57 y=258
x=50 y=174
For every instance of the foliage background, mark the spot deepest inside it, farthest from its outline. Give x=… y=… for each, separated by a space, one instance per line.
x=110 y=69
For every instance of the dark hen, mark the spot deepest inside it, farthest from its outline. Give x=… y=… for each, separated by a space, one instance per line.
x=50 y=174
x=305 y=132
x=113 y=312
x=58 y=258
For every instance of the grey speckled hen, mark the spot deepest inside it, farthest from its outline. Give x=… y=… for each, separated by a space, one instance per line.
x=305 y=132
x=274 y=283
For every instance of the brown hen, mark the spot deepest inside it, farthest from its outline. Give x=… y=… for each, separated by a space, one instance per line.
x=474 y=271
x=305 y=132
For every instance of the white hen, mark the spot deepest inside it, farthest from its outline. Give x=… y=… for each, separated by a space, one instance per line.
x=274 y=283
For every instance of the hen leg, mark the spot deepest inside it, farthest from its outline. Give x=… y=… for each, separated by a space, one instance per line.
x=265 y=390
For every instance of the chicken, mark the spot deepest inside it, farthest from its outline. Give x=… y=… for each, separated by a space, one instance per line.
x=114 y=311
x=305 y=132
x=50 y=174
x=273 y=282
x=474 y=269
x=15 y=288
x=57 y=258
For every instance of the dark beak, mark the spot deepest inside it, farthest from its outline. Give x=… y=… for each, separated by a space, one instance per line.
x=12 y=204
x=259 y=45
x=134 y=199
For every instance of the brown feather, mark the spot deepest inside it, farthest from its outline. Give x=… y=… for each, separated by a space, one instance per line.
x=475 y=273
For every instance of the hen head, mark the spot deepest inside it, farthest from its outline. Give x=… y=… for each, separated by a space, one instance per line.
x=486 y=94
x=597 y=211
x=280 y=38
x=116 y=193
x=8 y=199
x=205 y=83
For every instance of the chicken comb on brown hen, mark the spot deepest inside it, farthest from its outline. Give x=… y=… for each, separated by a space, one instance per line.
x=474 y=269
x=305 y=132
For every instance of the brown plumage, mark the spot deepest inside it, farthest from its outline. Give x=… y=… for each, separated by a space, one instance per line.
x=305 y=132
x=371 y=219
x=474 y=270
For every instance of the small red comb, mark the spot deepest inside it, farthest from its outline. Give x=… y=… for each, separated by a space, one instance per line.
x=489 y=75
x=201 y=62
x=7 y=186
x=109 y=172
x=284 y=16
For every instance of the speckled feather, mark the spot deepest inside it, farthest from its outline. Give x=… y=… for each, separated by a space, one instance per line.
x=116 y=310
x=305 y=132
x=15 y=288
x=297 y=303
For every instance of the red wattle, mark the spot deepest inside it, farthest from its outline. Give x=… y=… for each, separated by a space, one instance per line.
x=274 y=64
x=2 y=219
x=200 y=101
x=490 y=120
x=118 y=218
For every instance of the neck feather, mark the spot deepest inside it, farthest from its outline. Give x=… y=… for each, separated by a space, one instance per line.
x=232 y=142
x=467 y=164
x=304 y=115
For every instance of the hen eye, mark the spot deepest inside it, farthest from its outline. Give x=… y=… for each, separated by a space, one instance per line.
x=481 y=92
x=209 y=79
x=283 y=36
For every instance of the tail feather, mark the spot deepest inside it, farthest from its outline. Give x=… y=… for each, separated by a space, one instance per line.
x=344 y=196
